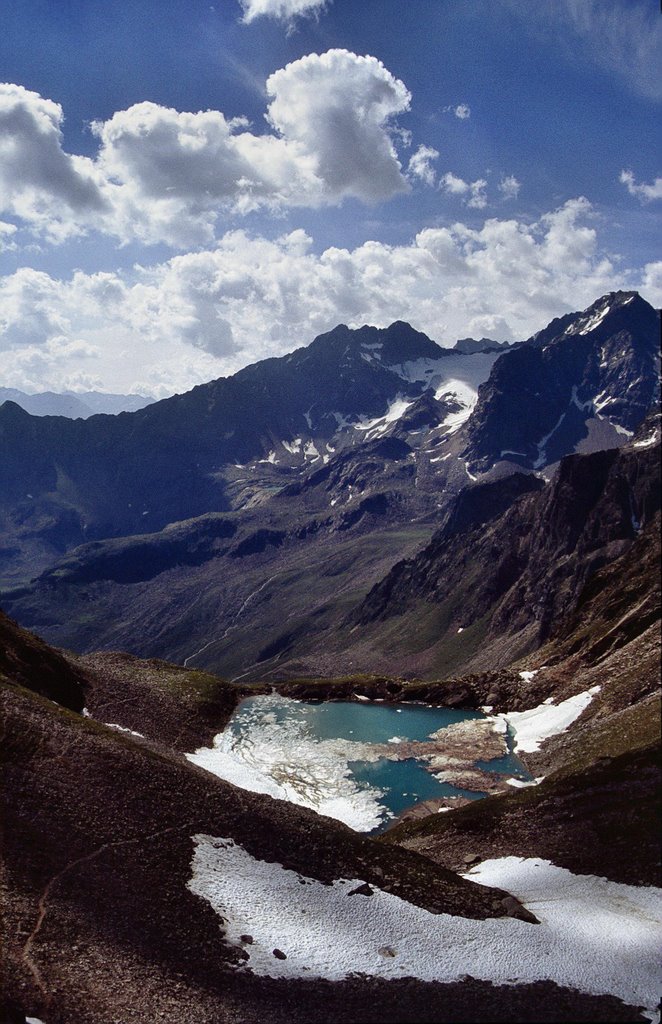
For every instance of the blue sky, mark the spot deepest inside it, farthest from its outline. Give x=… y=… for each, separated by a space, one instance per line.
x=474 y=167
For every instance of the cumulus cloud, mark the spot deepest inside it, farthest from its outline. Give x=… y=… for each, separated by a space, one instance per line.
x=202 y=314
x=509 y=186
x=420 y=165
x=48 y=189
x=336 y=109
x=472 y=192
x=282 y=10
x=167 y=175
x=39 y=344
x=641 y=191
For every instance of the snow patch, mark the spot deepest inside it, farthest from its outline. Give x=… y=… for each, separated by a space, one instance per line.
x=596 y=936
x=593 y=322
x=600 y=401
x=122 y=728
x=527 y=676
x=396 y=409
x=542 y=454
x=530 y=728
x=647 y=442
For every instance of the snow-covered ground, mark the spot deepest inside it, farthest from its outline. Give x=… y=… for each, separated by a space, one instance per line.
x=595 y=936
x=530 y=728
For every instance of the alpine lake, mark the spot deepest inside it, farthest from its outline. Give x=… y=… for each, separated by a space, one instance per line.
x=367 y=763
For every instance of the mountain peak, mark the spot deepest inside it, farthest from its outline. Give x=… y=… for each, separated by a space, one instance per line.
x=608 y=313
x=593 y=316
x=398 y=343
x=469 y=346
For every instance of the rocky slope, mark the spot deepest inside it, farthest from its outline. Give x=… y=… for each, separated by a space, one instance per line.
x=71 y=480
x=509 y=558
x=506 y=577
x=600 y=791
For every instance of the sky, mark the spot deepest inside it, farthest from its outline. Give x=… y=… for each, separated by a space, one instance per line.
x=187 y=187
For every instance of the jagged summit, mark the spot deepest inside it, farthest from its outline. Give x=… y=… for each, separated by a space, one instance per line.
x=607 y=311
x=586 y=381
x=469 y=346
x=395 y=344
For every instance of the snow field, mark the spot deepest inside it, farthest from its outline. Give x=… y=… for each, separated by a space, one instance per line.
x=596 y=936
x=530 y=728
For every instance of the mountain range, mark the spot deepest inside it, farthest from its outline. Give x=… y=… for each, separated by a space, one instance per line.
x=73 y=404
x=301 y=483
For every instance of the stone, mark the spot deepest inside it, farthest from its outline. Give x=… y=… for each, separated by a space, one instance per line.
x=361 y=890
x=514 y=908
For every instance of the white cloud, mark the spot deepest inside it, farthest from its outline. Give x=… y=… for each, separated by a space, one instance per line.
x=420 y=165
x=208 y=313
x=509 y=186
x=453 y=185
x=336 y=109
x=477 y=198
x=167 y=175
x=48 y=189
x=462 y=111
x=7 y=232
x=282 y=10
x=473 y=192
x=644 y=193
x=652 y=283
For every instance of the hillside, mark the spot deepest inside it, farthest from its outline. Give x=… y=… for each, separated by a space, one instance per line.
x=101 y=866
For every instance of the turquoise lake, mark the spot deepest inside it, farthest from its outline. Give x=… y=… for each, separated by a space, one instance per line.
x=293 y=742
